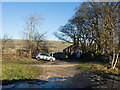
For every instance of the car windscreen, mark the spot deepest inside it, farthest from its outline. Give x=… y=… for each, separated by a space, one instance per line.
x=44 y=54
x=38 y=53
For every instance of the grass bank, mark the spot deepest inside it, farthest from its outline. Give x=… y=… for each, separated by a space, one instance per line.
x=101 y=69
x=19 y=69
x=18 y=60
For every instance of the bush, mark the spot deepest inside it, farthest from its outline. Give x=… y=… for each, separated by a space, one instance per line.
x=23 y=54
x=88 y=55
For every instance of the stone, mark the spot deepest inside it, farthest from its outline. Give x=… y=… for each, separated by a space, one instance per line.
x=92 y=80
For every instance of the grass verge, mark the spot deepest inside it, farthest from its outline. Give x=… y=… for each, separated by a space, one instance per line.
x=23 y=61
x=101 y=70
x=18 y=69
x=11 y=71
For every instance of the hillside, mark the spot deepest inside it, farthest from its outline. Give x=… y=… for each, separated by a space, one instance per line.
x=54 y=46
x=58 y=46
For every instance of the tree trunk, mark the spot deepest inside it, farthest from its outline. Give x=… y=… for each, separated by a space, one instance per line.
x=115 y=61
x=112 y=64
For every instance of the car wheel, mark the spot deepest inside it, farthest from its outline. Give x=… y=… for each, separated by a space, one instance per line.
x=51 y=60
x=38 y=58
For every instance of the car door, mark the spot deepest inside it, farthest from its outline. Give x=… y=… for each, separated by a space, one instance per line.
x=42 y=56
x=47 y=57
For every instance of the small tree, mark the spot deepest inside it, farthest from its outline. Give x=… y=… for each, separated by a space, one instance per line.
x=35 y=42
x=40 y=45
x=32 y=22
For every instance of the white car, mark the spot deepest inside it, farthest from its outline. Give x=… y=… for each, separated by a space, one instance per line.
x=45 y=56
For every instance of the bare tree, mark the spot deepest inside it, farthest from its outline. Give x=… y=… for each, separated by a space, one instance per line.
x=32 y=22
x=95 y=25
x=35 y=42
x=69 y=33
x=40 y=44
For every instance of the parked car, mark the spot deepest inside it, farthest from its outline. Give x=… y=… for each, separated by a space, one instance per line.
x=44 y=56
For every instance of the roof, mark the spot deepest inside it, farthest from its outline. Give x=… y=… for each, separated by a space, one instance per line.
x=68 y=47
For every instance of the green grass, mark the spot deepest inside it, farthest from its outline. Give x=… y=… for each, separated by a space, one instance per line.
x=11 y=71
x=22 y=61
x=14 y=69
x=90 y=66
x=58 y=46
x=101 y=70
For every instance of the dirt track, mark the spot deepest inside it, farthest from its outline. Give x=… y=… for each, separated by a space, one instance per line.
x=66 y=73
x=63 y=70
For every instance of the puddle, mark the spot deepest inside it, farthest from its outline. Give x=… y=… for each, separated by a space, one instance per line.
x=53 y=82
x=56 y=79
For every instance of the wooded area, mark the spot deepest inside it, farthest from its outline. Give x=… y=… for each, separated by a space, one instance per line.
x=94 y=29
